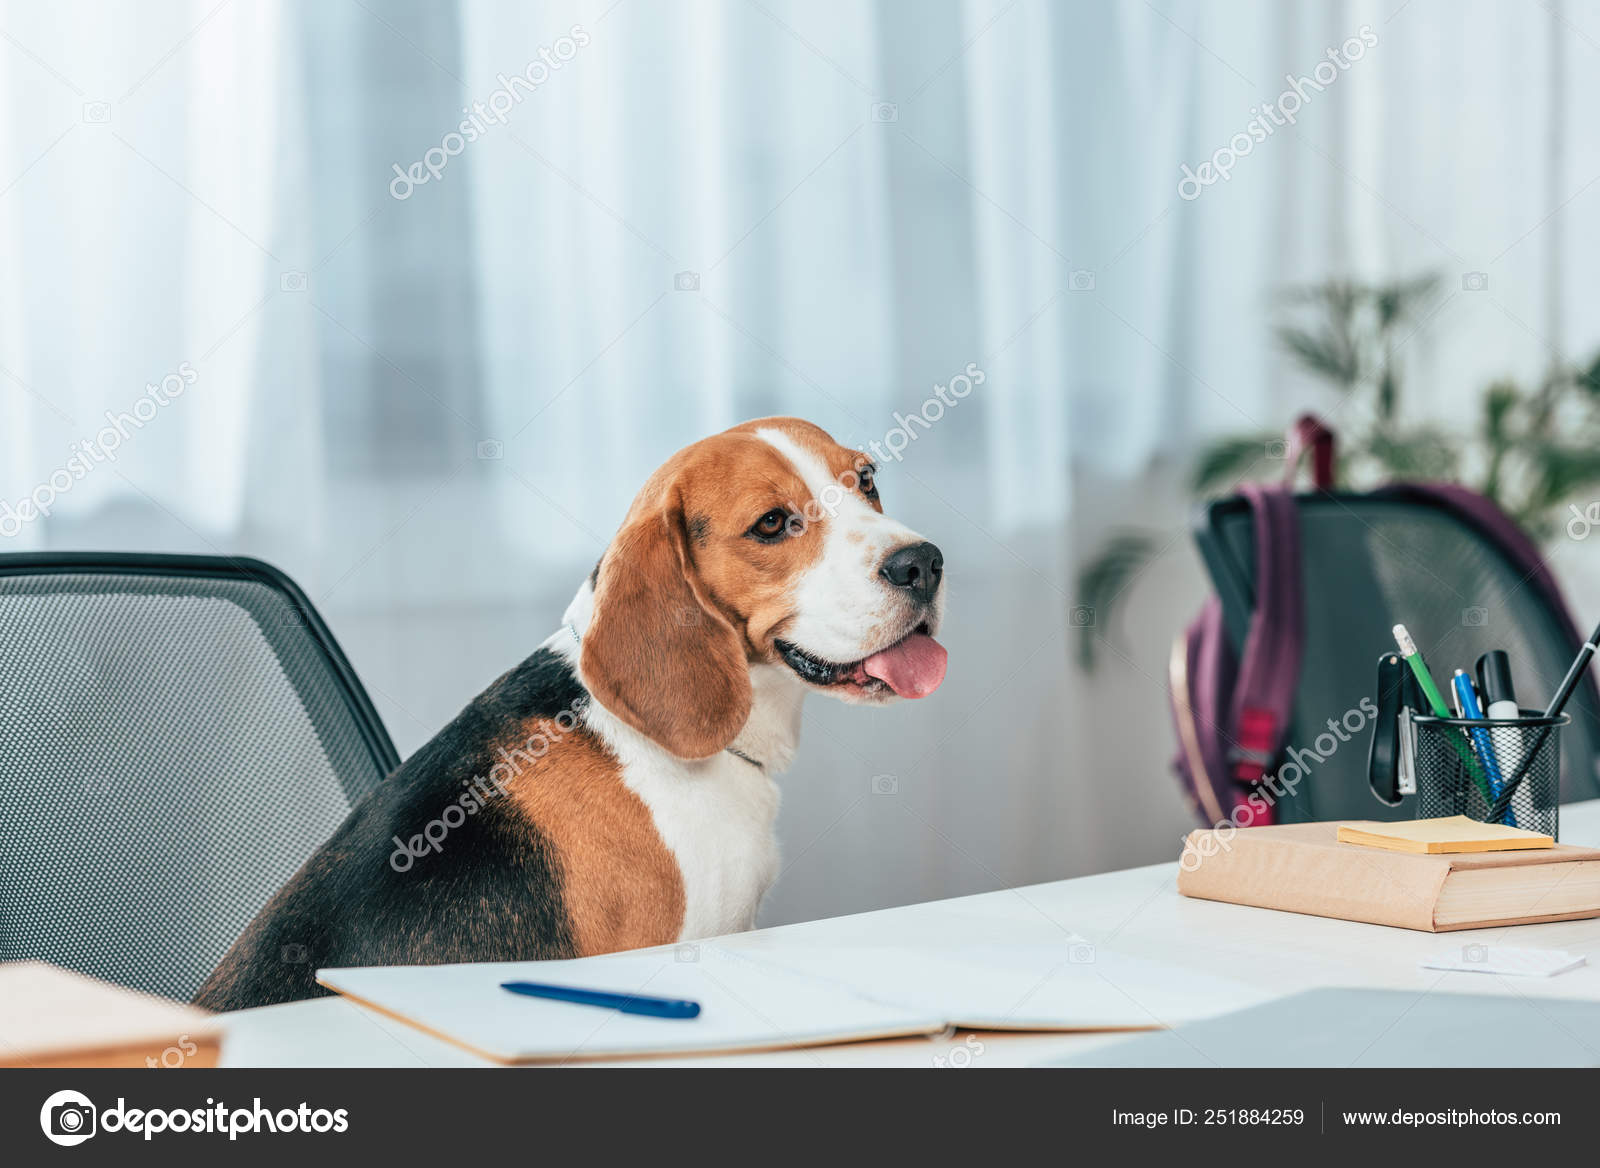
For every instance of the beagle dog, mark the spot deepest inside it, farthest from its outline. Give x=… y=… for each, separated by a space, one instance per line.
x=616 y=790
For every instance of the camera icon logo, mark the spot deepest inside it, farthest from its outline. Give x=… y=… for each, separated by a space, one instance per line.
x=294 y=953
x=1474 y=954
x=1474 y=618
x=885 y=111
x=1081 y=280
x=1277 y=450
x=686 y=282
x=885 y=785
x=1082 y=616
x=1474 y=281
x=97 y=113
x=293 y=282
x=1080 y=953
x=68 y=1118
x=491 y=449
x=686 y=954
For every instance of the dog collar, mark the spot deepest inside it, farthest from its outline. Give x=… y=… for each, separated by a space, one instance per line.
x=738 y=754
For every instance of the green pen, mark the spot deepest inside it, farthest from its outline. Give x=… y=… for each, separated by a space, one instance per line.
x=1408 y=650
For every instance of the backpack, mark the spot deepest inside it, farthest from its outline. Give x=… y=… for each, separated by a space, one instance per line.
x=1233 y=712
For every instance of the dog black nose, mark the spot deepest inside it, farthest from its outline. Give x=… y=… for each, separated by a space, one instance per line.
x=917 y=569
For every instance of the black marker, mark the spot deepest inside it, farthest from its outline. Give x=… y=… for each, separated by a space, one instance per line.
x=1494 y=685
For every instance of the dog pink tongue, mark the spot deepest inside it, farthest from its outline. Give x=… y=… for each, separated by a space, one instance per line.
x=913 y=668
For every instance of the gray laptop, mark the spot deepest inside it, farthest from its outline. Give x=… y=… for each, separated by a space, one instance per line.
x=1374 y=1028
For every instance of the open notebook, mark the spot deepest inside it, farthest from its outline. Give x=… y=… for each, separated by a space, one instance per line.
x=755 y=998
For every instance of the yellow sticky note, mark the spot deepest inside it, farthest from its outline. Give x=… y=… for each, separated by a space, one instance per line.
x=1452 y=833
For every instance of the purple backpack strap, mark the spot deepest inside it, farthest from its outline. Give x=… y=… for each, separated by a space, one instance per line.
x=1200 y=687
x=1269 y=664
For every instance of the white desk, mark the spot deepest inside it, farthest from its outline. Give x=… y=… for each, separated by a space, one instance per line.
x=1137 y=911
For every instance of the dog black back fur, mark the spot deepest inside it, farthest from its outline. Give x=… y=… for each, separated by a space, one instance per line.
x=492 y=892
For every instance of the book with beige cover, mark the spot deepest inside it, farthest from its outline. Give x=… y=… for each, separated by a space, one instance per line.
x=1302 y=867
x=51 y=1017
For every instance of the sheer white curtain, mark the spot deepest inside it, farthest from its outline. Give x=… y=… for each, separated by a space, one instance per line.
x=119 y=265
x=433 y=410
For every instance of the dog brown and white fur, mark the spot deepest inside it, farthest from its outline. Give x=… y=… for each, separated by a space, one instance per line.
x=616 y=790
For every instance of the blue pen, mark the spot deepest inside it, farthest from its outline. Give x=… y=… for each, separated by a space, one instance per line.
x=641 y=1004
x=1482 y=744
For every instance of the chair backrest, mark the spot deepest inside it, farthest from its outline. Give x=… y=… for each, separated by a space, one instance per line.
x=1368 y=562
x=177 y=735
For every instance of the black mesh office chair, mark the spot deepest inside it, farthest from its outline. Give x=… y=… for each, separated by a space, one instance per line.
x=1368 y=561
x=177 y=735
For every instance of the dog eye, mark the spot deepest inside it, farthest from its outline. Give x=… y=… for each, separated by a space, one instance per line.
x=771 y=526
x=868 y=475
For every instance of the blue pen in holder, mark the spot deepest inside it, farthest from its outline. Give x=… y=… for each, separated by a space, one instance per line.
x=1494 y=770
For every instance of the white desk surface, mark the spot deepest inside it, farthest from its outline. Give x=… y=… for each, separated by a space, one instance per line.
x=1137 y=912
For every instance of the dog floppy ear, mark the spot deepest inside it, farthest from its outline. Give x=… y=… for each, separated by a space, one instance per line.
x=656 y=653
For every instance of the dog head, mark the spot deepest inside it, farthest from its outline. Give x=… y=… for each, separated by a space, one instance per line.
x=763 y=544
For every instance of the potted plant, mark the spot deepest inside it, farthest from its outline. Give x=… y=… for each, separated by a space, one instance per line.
x=1533 y=451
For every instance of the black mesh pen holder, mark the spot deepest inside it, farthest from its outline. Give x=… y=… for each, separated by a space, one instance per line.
x=1494 y=770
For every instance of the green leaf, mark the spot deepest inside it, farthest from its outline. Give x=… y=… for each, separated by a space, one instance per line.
x=1329 y=353
x=1499 y=402
x=1398 y=300
x=1388 y=393
x=1338 y=298
x=1588 y=379
x=1563 y=471
x=1227 y=461
x=1423 y=452
x=1101 y=585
